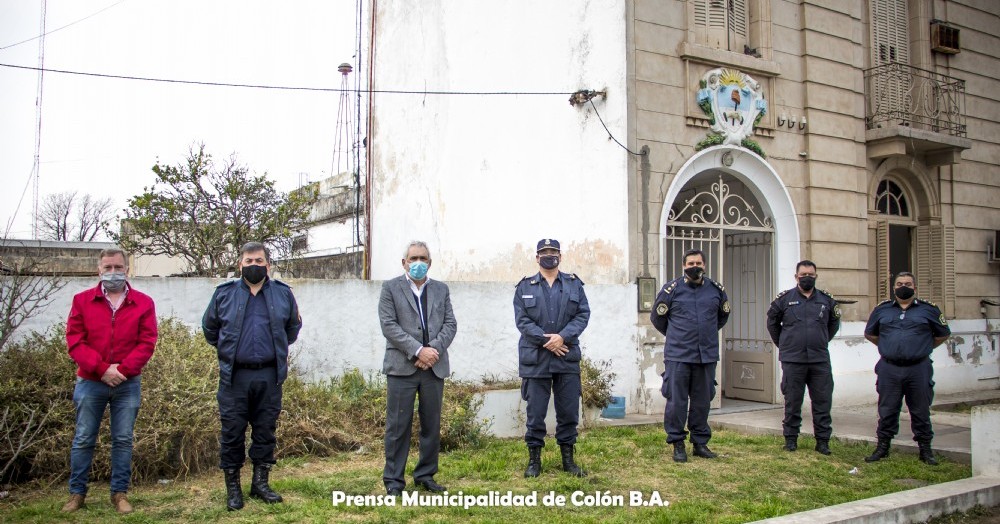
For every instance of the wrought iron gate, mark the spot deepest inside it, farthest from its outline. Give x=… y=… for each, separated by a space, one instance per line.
x=737 y=240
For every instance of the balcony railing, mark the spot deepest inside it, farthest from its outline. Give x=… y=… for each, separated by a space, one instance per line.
x=902 y=95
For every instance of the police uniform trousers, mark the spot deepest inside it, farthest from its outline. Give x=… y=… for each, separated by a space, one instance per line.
x=536 y=391
x=428 y=389
x=254 y=398
x=689 y=390
x=914 y=382
x=795 y=378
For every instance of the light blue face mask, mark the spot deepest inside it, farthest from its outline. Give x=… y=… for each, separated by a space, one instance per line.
x=418 y=270
x=113 y=282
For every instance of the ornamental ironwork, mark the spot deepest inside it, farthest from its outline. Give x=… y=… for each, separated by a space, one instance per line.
x=899 y=94
x=719 y=208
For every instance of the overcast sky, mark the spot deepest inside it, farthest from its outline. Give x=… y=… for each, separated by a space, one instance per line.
x=101 y=136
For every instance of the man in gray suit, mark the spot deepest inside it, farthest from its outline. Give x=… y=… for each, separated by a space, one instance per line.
x=419 y=325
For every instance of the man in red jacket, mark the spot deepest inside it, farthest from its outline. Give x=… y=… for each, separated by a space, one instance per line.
x=110 y=333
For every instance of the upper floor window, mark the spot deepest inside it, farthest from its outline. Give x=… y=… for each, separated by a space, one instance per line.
x=890 y=200
x=890 y=36
x=722 y=24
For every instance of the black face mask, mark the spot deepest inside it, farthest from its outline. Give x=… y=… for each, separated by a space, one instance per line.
x=253 y=274
x=694 y=272
x=904 y=293
x=807 y=283
x=548 y=261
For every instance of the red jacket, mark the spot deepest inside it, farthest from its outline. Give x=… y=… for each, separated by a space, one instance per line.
x=96 y=339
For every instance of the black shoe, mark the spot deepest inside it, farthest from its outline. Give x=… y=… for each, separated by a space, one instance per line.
x=259 y=487
x=927 y=454
x=823 y=446
x=431 y=486
x=234 y=492
x=568 y=464
x=791 y=443
x=701 y=450
x=395 y=492
x=881 y=450
x=534 y=462
x=680 y=455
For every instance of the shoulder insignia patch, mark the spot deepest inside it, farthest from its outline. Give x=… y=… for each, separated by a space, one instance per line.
x=836 y=311
x=725 y=307
x=575 y=277
x=661 y=309
x=942 y=320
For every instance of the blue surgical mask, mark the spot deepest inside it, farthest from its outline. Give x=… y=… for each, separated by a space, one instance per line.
x=113 y=282
x=418 y=270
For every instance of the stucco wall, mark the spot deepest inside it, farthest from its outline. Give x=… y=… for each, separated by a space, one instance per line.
x=481 y=177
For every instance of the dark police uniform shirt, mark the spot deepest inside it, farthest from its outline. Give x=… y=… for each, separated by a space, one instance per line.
x=539 y=309
x=256 y=345
x=690 y=316
x=803 y=327
x=906 y=336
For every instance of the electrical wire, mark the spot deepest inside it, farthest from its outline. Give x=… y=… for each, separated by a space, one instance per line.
x=285 y=88
x=612 y=137
x=58 y=28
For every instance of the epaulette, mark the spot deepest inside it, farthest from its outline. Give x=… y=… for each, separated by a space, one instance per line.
x=825 y=292
x=532 y=282
x=226 y=283
x=929 y=303
x=718 y=285
x=781 y=294
x=884 y=302
x=669 y=286
x=281 y=283
x=573 y=276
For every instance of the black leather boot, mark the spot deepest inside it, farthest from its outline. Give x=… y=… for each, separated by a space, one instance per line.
x=791 y=443
x=881 y=450
x=701 y=450
x=823 y=446
x=927 y=454
x=534 y=462
x=234 y=492
x=567 y=459
x=259 y=488
x=680 y=454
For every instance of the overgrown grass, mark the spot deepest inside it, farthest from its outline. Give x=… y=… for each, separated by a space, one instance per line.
x=752 y=479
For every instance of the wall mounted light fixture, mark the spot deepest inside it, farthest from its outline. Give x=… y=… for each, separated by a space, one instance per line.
x=782 y=118
x=802 y=123
x=791 y=122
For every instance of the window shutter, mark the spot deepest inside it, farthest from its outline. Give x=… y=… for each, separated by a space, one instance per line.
x=890 y=37
x=737 y=25
x=936 y=266
x=882 y=260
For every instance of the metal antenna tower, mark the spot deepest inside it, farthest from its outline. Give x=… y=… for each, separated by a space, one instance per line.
x=36 y=167
x=343 y=145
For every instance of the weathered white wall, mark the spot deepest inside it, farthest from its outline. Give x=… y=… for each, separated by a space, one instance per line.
x=341 y=331
x=482 y=178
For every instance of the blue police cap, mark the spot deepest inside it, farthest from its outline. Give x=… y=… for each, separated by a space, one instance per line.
x=547 y=243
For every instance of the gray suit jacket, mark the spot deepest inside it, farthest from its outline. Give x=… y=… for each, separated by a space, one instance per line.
x=397 y=312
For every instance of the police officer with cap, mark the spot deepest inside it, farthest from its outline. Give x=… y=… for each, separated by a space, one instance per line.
x=690 y=311
x=801 y=322
x=551 y=311
x=906 y=331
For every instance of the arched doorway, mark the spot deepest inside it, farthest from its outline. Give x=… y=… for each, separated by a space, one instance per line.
x=730 y=203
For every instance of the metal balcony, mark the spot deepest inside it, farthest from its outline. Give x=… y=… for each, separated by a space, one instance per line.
x=913 y=111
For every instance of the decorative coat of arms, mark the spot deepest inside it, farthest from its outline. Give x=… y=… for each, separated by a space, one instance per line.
x=734 y=104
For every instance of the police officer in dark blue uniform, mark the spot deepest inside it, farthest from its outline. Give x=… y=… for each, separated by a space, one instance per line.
x=690 y=311
x=801 y=321
x=906 y=331
x=551 y=311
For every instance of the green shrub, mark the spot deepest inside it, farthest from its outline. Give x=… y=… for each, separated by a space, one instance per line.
x=177 y=430
x=596 y=381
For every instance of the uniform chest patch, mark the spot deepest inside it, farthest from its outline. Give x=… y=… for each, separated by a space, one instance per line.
x=795 y=303
x=527 y=296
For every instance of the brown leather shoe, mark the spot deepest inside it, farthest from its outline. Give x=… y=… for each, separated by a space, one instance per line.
x=120 y=503
x=74 y=503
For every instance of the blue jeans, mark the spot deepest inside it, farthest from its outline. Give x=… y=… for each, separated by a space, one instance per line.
x=90 y=399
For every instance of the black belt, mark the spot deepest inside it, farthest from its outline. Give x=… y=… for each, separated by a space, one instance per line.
x=905 y=363
x=255 y=365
